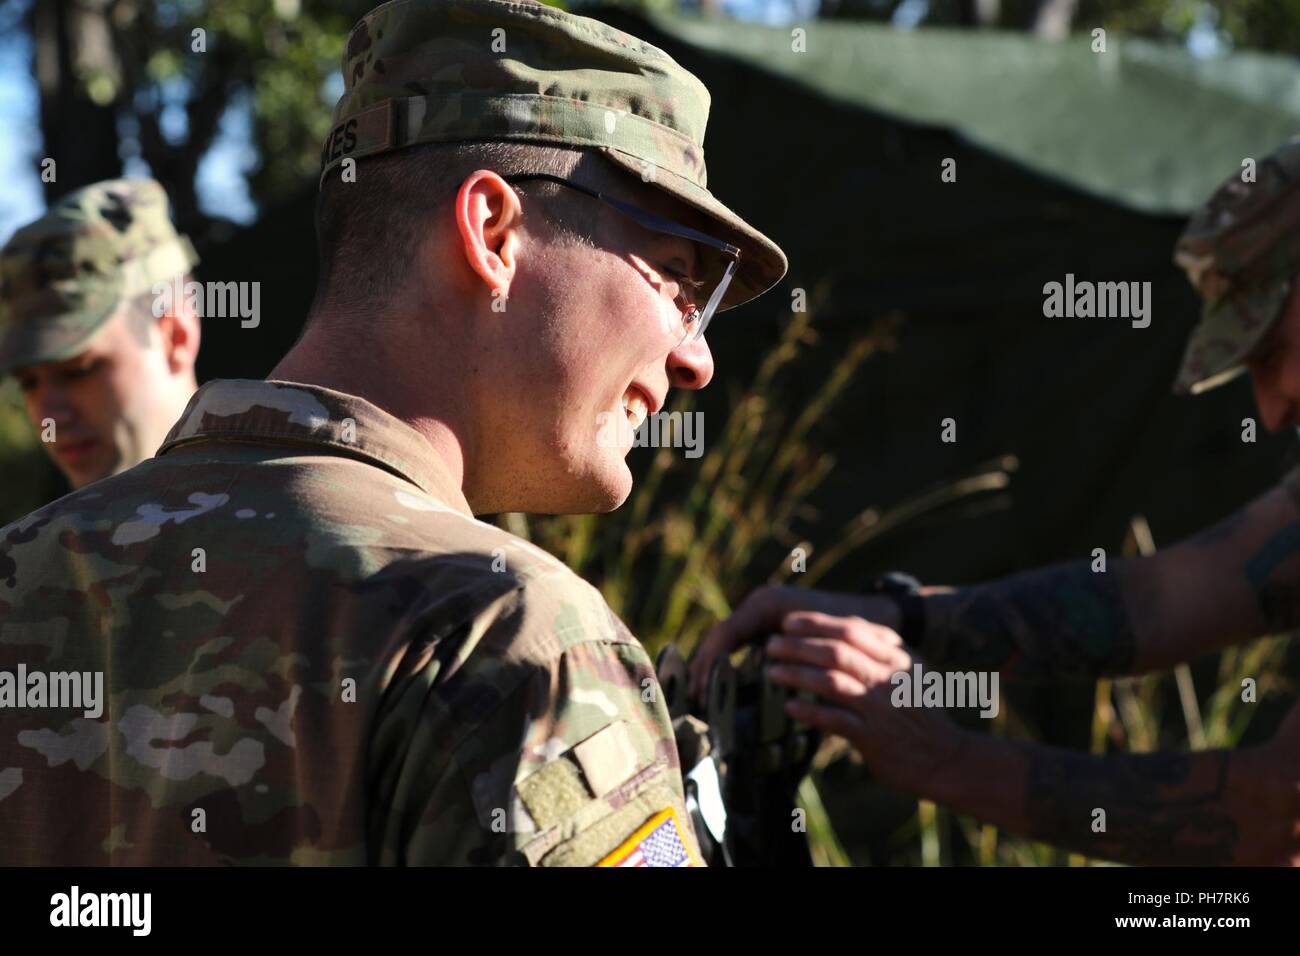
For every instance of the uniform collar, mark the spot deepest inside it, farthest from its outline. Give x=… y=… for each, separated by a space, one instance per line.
x=308 y=416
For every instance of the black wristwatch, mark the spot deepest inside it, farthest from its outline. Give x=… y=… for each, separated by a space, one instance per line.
x=905 y=591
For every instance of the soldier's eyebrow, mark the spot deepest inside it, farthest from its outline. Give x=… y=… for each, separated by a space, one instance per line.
x=688 y=264
x=695 y=264
x=692 y=262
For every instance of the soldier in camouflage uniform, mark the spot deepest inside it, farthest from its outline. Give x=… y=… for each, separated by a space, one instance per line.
x=312 y=651
x=103 y=377
x=1232 y=583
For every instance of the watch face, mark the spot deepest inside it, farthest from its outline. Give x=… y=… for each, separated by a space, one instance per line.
x=898 y=582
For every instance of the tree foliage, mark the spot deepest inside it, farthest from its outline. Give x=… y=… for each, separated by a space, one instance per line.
x=155 y=80
x=126 y=78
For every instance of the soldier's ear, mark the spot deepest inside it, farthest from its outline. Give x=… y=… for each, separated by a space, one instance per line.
x=488 y=218
x=180 y=332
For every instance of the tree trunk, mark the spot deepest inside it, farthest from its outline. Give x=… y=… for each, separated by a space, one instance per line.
x=1055 y=18
x=70 y=40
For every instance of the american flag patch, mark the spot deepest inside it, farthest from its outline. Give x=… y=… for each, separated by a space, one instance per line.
x=657 y=842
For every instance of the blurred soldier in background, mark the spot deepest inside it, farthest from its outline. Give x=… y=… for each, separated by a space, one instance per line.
x=1232 y=583
x=103 y=377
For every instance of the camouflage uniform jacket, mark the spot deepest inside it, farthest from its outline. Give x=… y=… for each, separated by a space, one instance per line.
x=313 y=653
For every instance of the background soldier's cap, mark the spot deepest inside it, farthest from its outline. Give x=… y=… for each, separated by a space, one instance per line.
x=64 y=275
x=425 y=71
x=1241 y=251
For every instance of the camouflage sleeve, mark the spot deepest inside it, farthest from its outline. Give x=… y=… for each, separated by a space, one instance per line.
x=549 y=746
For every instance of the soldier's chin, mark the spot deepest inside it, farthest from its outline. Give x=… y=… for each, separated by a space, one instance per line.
x=607 y=480
x=608 y=485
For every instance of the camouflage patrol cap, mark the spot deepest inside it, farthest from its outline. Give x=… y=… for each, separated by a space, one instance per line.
x=426 y=71
x=1241 y=251
x=64 y=275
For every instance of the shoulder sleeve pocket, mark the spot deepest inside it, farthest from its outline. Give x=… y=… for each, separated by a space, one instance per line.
x=595 y=807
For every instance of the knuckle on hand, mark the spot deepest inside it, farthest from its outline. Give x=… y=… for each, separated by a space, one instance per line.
x=841 y=683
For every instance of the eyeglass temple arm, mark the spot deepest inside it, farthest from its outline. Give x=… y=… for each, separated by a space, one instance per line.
x=657 y=222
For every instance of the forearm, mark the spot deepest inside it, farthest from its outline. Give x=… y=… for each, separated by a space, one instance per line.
x=1062 y=621
x=1211 y=807
x=1233 y=582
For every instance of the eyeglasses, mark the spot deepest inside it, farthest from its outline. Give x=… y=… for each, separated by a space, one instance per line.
x=694 y=319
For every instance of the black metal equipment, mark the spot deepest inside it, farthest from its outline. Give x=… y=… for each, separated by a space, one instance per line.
x=742 y=758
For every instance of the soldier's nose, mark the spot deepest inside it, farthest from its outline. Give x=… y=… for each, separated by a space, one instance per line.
x=53 y=403
x=690 y=365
